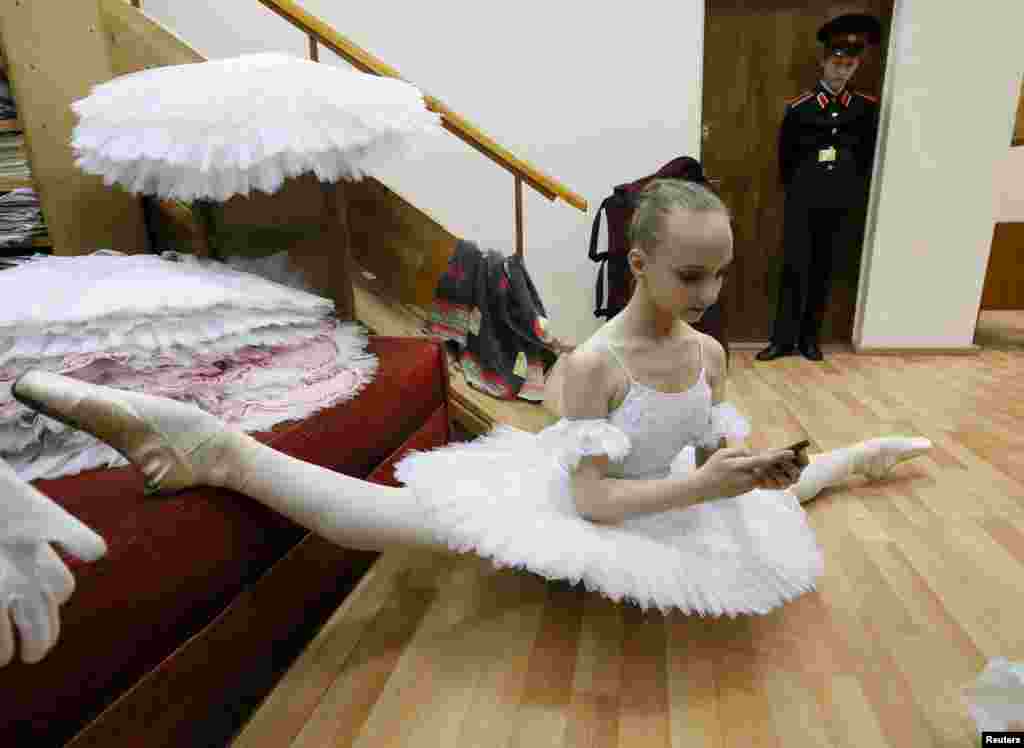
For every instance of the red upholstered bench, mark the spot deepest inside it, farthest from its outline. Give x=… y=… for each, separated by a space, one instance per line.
x=197 y=587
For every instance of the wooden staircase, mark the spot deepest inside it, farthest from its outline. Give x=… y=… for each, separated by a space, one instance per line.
x=399 y=251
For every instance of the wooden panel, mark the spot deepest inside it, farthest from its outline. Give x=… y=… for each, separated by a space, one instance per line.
x=756 y=56
x=292 y=220
x=56 y=52
x=161 y=709
x=1004 y=278
x=137 y=42
x=401 y=245
x=442 y=650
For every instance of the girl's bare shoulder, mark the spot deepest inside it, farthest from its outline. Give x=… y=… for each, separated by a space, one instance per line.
x=589 y=380
x=588 y=361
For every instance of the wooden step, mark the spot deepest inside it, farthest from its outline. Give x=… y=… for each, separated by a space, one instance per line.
x=14 y=183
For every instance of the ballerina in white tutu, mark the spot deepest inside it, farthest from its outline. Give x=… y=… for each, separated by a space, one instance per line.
x=611 y=495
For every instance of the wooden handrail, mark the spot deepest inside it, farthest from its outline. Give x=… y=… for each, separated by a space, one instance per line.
x=454 y=123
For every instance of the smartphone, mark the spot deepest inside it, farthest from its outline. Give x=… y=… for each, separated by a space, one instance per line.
x=799 y=446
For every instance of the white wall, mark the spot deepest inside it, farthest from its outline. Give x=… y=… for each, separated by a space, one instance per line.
x=596 y=98
x=1010 y=186
x=947 y=122
x=593 y=98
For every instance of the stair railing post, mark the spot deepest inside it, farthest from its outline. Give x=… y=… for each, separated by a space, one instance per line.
x=519 y=216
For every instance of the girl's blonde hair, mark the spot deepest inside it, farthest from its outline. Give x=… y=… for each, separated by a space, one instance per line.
x=659 y=198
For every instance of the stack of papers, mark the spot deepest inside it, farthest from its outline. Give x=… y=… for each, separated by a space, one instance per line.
x=13 y=156
x=21 y=219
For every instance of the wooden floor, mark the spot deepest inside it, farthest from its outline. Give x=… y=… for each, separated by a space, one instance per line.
x=923 y=583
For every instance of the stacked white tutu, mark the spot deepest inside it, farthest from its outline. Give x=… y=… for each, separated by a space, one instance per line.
x=225 y=127
x=246 y=349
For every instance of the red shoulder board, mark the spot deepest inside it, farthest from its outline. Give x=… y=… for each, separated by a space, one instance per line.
x=800 y=98
x=869 y=97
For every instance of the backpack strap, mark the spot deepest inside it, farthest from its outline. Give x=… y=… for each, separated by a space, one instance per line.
x=595 y=230
x=600 y=257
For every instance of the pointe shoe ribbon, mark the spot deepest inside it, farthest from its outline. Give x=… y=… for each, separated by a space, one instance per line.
x=34 y=581
x=162 y=437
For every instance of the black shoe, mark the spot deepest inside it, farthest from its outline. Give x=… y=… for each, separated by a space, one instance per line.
x=811 y=351
x=775 y=351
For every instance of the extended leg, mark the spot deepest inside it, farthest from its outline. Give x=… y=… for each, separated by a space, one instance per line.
x=873 y=458
x=177 y=446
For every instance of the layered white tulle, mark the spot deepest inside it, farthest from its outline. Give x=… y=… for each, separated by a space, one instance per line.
x=248 y=350
x=110 y=292
x=225 y=127
x=508 y=497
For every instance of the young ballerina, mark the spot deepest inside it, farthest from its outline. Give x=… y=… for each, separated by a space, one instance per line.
x=611 y=495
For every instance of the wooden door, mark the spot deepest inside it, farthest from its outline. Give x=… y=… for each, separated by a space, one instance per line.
x=757 y=55
x=1004 y=278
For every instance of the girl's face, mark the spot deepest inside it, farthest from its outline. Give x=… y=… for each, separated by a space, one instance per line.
x=684 y=274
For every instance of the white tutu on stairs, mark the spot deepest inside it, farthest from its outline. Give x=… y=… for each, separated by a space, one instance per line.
x=224 y=127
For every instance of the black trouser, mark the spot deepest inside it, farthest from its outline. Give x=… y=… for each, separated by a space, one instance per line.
x=811 y=237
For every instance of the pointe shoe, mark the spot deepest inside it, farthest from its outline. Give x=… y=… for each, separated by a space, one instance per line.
x=873 y=458
x=880 y=455
x=170 y=442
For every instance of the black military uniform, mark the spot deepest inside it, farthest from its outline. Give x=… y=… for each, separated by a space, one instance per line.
x=826 y=150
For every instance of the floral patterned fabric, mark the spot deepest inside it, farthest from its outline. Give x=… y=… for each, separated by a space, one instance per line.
x=487 y=307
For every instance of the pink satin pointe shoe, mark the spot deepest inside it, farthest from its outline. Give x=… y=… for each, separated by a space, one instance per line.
x=873 y=459
x=173 y=444
x=880 y=455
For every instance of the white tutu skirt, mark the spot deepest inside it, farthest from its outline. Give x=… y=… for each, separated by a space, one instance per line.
x=507 y=497
x=225 y=127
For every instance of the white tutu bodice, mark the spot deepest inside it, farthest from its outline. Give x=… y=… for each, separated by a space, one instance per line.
x=508 y=497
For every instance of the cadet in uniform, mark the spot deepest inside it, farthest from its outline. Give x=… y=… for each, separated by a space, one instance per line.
x=826 y=150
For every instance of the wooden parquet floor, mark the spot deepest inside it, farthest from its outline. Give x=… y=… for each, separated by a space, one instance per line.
x=924 y=582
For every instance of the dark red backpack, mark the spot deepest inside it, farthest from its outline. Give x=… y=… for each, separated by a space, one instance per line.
x=618 y=207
